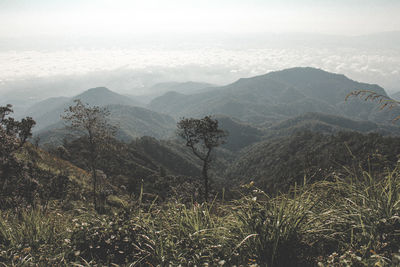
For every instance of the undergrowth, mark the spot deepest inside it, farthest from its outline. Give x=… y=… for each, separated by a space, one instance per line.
x=348 y=221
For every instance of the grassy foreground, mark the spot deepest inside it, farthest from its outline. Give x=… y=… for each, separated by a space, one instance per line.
x=351 y=221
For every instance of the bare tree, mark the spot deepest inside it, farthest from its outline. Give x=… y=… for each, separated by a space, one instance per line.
x=202 y=135
x=92 y=121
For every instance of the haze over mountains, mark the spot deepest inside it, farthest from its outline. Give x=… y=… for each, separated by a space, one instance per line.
x=132 y=64
x=252 y=109
x=276 y=121
x=247 y=133
x=275 y=96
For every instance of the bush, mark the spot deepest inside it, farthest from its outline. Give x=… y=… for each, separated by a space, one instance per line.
x=107 y=240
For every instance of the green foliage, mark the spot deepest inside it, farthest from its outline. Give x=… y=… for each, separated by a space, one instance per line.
x=367 y=215
x=351 y=221
x=202 y=136
x=327 y=124
x=97 y=130
x=193 y=235
x=16 y=182
x=240 y=134
x=349 y=215
x=33 y=236
x=107 y=240
x=127 y=165
x=276 y=96
x=276 y=164
x=279 y=226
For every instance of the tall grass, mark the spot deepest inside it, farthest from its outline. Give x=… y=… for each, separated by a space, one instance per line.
x=352 y=221
x=367 y=213
x=191 y=235
x=32 y=235
x=279 y=224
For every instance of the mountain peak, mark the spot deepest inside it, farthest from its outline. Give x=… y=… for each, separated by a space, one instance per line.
x=102 y=96
x=302 y=73
x=96 y=90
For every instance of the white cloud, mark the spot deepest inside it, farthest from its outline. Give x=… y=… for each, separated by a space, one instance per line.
x=368 y=65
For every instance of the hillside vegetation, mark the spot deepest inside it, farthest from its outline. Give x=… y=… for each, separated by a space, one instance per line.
x=350 y=221
x=276 y=96
x=296 y=177
x=276 y=164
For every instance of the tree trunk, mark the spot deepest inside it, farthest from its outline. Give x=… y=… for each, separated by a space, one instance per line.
x=92 y=148
x=94 y=177
x=205 y=177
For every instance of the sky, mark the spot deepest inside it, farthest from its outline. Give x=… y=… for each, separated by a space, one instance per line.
x=214 y=41
x=20 y=18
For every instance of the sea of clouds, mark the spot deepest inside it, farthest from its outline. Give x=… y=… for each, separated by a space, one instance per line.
x=211 y=63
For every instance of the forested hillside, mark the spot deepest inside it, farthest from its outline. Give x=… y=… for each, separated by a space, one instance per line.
x=276 y=96
x=276 y=164
x=273 y=170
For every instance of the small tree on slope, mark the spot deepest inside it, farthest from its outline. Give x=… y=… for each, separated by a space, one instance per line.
x=202 y=135
x=13 y=135
x=92 y=121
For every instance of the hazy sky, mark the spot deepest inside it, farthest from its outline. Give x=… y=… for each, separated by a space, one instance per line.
x=20 y=18
x=215 y=41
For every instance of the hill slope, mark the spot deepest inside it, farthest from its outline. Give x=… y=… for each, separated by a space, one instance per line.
x=275 y=164
x=48 y=112
x=276 y=96
x=328 y=124
x=144 y=160
x=132 y=122
x=158 y=89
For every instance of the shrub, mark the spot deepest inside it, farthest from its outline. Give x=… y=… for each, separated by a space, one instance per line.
x=106 y=240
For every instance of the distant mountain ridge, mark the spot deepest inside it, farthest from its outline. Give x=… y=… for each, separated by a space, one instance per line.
x=159 y=89
x=251 y=109
x=189 y=87
x=132 y=121
x=48 y=111
x=102 y=96
x=396 y=96
x=328 y=124
x=276 y=96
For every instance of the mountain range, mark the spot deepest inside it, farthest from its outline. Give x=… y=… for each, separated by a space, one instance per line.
x=159 y=89
x=293 y=119
x=276 y=96
x=250 y=109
